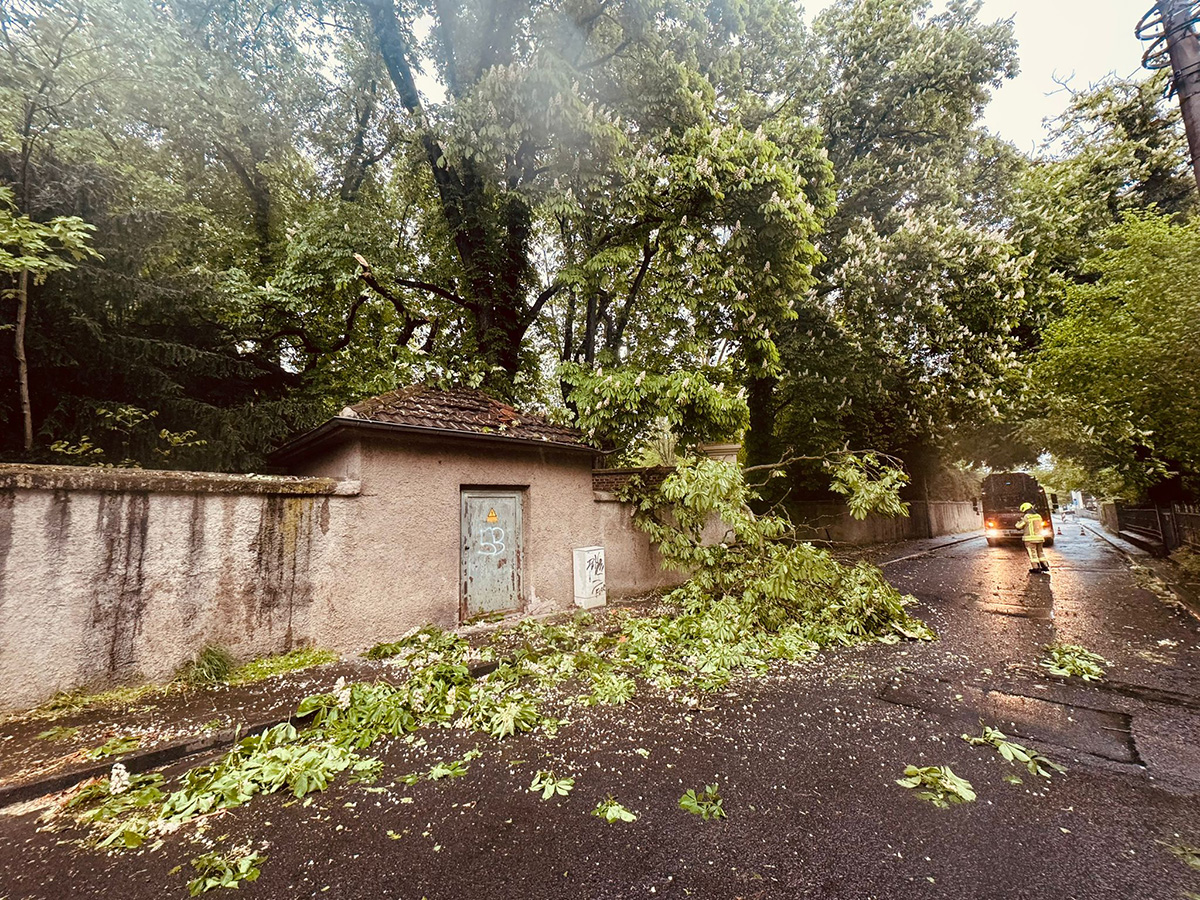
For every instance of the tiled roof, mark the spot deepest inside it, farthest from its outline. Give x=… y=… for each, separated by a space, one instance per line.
x=460 y=409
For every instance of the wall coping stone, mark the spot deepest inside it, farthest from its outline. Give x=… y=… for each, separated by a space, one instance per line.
x=20 y=476
x=635 y=470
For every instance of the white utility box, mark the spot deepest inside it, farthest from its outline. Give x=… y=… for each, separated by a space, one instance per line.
x=589 y=577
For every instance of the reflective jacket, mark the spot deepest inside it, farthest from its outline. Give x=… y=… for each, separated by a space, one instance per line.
x=1031 y=523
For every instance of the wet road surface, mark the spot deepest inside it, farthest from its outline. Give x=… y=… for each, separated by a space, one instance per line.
x=806 y=760
x=996 y=614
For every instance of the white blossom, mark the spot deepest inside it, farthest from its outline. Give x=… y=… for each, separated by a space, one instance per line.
x=341 y=693
x=118 y=780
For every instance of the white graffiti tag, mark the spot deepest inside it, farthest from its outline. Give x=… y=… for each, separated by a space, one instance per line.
x=491 y=540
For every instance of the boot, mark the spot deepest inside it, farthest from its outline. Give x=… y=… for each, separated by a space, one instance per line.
x=1045 y=566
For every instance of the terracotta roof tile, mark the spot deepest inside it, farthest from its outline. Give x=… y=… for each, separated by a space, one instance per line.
x=460 y=409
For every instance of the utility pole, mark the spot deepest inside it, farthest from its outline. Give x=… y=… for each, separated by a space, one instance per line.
x=1169 y=27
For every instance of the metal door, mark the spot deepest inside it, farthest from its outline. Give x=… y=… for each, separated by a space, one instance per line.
x=491 y=552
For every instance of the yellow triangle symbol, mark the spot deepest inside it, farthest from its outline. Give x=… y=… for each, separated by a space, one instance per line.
x=491 y=516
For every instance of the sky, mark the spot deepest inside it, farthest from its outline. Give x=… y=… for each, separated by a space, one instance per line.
x=1079 y=40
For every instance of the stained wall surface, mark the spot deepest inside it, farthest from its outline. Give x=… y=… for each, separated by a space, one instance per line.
x=110 y=576
x=115 y=576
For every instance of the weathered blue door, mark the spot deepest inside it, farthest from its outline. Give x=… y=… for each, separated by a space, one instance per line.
x=491 y=552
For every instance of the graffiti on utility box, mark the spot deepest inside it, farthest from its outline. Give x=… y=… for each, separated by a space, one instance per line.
x=590 y=589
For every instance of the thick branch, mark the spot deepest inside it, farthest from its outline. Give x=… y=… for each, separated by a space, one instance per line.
x=260 y=200
x=355 y=170
x=583 y=67
x=618 y=334
x=532 y=314
x=826 y=457
x=372 y=282
x=395 y=52
x=434 y=327
x=448 y=23
x=315 y=350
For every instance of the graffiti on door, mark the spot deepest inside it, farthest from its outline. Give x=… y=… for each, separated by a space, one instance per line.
x=491 y=541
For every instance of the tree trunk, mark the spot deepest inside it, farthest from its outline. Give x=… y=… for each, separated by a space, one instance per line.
x=760 y=436
x=19 y=353
x=759 y=440
x=258 y=189
x=497 y=272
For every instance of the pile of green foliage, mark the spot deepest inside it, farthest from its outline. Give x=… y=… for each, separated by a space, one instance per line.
x=706 y=803
x=937 y=784
x=1014 y=752
x=1071 y=659
x=128 y=814
x=212 y=664
x=217 y=870
x=756 y=582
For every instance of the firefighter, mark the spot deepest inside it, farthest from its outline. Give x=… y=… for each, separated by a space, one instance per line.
x=1031 y=524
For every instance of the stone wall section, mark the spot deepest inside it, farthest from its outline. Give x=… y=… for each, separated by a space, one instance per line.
x=831 y=521
x=116 y=576
x=112 y=576
x=610 y=481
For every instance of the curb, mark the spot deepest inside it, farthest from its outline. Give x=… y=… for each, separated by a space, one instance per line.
x=1126 y=547
x=974 y=535
x=165 y=754
x=137 y=762
x=1134 y=553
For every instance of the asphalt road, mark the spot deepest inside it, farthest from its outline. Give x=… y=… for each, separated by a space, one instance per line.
x=806 y=760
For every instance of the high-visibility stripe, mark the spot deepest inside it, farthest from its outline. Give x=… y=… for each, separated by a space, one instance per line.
x=1031 y=524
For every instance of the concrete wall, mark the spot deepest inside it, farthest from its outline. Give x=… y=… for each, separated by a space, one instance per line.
x=1108 y=516
x=109 y=576
x=833 y=522
x=952 y=517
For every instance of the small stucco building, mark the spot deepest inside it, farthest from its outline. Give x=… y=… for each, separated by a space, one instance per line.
x=467 y=508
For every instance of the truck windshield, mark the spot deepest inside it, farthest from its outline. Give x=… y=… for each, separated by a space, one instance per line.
x=1008 y=490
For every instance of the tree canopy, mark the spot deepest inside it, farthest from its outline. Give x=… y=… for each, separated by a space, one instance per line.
x=1123 y=358
x=709 y=218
